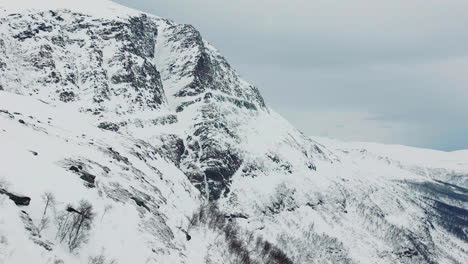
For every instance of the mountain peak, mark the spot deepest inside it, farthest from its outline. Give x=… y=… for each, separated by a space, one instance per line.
x=139 y=129
x=102 y=8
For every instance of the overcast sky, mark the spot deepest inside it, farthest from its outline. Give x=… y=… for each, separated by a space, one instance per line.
x=362 y=70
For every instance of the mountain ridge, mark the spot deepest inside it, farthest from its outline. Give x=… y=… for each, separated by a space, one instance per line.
x=182 y=161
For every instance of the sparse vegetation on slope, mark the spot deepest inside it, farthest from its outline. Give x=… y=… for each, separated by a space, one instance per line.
x=228 y=240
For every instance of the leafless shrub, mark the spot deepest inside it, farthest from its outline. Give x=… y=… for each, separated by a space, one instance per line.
x=101 y=259
x=238 y=250
x=74 y=224
x=313 y=247
x=243 y=247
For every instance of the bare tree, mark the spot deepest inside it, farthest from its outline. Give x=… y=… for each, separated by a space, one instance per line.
x=238 y=246
x=101 y=259
x=74 y=224
x=49 y=201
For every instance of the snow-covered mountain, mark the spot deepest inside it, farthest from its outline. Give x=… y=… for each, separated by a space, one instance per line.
x=128 y=138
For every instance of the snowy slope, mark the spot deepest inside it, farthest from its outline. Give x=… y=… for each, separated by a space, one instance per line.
x=145 y=120
x=448 y=166
x=375 y=204
x=40 y=144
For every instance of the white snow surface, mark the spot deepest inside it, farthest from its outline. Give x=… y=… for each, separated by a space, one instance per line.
x=60 y=136
x=161 y=120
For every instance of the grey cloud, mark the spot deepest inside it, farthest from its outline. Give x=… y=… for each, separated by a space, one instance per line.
x=321 y=32
x=398 y=61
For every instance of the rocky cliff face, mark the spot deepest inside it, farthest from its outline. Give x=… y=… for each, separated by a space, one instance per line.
x=101 y=65
x=137 y=72
x=144 y=118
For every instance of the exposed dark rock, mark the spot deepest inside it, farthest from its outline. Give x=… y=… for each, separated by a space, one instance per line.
x=67 y=96
x=17 y=198
x=85 y=176
x=165 y=120
x=74 y=169
x=223 y=164
x=109 y=126
x=25 y=35
x=7 y=113
x=28 y=224
x=316 y=148
x=238 y=215
x=34 y=233
x=139 y=84
x=43 y=58
x=408 y=253
x=285 y=166
x=218 y=182
x=140 y=202
x=128 y=81
x=314 y=205
x=44 y=27
x=21 y=121
x=172 y=147
x=116 y=155
x=89 y=178
x=312 y=166
x=184 y=105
